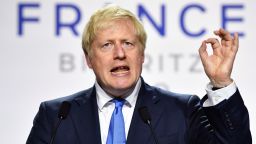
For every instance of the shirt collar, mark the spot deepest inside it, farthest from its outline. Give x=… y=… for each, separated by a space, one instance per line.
x=103 y=99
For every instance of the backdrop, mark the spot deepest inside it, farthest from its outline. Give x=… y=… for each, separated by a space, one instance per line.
x=41 y=56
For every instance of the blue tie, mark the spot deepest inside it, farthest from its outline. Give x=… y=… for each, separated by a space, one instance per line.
x=116 y=131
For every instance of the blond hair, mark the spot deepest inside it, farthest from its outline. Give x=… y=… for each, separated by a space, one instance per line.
x=106 y=14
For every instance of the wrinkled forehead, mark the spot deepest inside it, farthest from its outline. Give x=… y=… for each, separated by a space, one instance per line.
x=115 y=24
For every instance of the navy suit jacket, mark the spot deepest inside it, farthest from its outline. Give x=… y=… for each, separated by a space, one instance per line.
x=176 y=119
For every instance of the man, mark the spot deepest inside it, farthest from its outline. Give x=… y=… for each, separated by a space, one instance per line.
x=113 y=43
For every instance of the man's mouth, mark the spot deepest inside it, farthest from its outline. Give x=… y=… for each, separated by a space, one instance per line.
x=120 y=69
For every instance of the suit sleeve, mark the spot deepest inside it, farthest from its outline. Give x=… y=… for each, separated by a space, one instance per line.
x=224 y=123
x=41 y=130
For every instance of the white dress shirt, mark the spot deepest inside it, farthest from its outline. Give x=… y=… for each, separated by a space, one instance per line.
x=217 y=96
x=106 y=107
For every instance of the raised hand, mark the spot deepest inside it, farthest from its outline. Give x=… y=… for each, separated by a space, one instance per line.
x=219 y=65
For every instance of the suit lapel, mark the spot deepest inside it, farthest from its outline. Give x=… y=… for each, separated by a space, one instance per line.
x=139 y=132
x=85 y=117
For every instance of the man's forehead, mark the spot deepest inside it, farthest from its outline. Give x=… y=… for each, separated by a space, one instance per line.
x=122 y=29
x=114 y=23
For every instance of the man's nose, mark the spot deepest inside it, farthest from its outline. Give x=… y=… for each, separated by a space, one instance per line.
x=119 y=52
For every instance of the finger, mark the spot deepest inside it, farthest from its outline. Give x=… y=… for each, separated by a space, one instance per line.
x=223 y=34
x=226 y=38
x=202 y=52
x=216 y=32
x=235 y=42
x=216 y=47
x=214 y=42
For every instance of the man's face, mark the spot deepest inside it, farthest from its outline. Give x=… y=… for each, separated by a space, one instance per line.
x=116 y=57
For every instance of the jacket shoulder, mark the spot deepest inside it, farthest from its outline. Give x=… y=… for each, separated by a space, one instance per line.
x=78 y=97
x=179 y=97
x=180 y=100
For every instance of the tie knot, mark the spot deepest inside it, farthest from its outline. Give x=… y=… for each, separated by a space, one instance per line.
x=119 y=102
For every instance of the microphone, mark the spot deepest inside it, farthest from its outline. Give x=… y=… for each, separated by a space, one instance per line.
x=63 y=113
x=64 y=110
x=145 y=116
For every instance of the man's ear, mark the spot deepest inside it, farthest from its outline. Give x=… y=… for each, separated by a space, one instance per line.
x=88 y=61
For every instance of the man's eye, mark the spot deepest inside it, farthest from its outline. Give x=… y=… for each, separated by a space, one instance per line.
x=107 y=45
x=127 y=44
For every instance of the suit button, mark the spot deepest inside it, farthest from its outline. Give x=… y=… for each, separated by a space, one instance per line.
x=229 y=124
x=231 y=128
x=226 y=115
